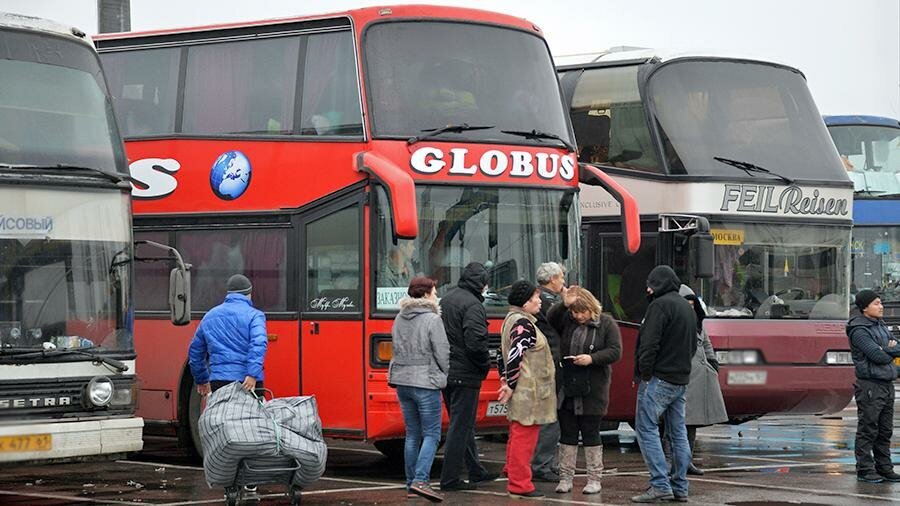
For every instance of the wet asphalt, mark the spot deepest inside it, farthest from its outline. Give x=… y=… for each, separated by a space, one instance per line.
x=771 y=461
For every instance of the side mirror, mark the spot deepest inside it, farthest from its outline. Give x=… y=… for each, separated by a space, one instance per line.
x=180 y=296
x=701 y=245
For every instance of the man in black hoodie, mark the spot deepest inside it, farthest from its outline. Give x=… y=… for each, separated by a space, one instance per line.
x=465 y=321
x=873 y=348
x=665 y=346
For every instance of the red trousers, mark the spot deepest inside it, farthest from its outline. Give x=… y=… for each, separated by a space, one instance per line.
x=519 y=451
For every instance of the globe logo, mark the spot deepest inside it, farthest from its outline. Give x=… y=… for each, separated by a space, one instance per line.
x=230 y=175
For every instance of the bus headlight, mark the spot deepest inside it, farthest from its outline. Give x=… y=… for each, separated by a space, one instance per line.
x=738 y=357
x=99 y=391
x=838 y=358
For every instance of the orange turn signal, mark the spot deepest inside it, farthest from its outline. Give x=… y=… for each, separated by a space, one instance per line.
x=384 y=351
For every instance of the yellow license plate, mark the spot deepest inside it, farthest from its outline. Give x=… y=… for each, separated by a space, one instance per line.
x=897 y=361
x=26 y=443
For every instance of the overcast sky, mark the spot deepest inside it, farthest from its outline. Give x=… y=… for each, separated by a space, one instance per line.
x=848 y=49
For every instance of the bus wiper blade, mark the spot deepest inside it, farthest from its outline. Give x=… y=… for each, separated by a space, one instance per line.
x=750 y=168
x=119 y=366
x=537 y=134
x=434 y=132
x=112 y=177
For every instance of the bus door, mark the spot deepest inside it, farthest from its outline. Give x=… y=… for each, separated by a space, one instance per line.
x=332 y=360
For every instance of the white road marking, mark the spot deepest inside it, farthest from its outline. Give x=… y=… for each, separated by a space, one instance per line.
x=70 y=498
x=795 y=489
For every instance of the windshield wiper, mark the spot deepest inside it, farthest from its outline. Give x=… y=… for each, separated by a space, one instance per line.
x=111 y=177
x=119 y=366
x=430 y=133
x=537 y=134
x=750 y=168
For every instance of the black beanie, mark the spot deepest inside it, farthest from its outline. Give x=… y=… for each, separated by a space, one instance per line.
x=864 y=298
x=239 y=284
x=520 y=292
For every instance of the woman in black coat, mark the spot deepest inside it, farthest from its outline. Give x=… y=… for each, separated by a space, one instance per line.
x=589 y=343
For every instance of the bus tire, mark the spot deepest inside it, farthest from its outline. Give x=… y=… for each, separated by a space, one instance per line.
x=391 y=448
x=189 y=417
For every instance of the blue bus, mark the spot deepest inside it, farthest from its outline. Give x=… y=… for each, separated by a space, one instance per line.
x=870 y=150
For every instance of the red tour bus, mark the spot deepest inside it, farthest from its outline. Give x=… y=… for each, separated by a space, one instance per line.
x=328 y=159
x=735 y=148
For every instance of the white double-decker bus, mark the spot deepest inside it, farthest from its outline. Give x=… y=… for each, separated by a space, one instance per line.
x=733 y=148
x=67 y=360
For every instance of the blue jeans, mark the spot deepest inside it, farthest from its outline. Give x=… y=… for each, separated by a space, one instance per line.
x=657 y=398
x=422 y=416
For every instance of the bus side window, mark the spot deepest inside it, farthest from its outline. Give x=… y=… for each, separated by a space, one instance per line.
x=330 y=101
x=261 y=255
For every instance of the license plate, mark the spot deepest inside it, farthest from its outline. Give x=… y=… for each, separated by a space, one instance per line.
x=495 y=408
x=897 y=361
x=26 y=443
x=747 y=377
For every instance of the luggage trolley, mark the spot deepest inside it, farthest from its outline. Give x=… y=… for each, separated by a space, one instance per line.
x=261 y=471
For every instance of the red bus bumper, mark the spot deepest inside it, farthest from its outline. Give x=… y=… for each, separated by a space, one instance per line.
x=798 y=390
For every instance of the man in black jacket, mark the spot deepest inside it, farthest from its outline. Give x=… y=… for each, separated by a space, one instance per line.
x=551 y=278
x=465 y=321
x=665 y=346
x=873 y=348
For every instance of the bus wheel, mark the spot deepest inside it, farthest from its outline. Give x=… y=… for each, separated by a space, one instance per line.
x=391 y=448
x=189 y=419
x=195 y=406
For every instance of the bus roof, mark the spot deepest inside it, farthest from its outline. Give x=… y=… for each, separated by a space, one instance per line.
x=861 y=120
x=361 y=18
x=635 y=55
x=22 y=22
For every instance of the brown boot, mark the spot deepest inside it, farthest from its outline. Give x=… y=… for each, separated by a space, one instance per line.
x=568 y=454
x=594 y=456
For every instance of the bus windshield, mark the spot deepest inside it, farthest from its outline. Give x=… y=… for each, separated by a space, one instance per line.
x=509 y=230
x=771 y=271
x=454 y=74
x=64 y=269
x=749 y=112
x=871 y=155
x=54 y=109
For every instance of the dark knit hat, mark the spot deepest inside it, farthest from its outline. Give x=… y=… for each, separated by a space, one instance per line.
x=520 y=292
x=239 y=284
x=864 y=298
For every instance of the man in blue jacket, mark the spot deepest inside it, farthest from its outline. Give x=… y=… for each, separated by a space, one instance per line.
x=873 y=348
x=230 y=343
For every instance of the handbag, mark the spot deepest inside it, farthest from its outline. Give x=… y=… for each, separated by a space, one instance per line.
x=576 y=378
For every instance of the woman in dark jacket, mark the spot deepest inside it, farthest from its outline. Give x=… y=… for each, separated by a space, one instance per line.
x=589 y=343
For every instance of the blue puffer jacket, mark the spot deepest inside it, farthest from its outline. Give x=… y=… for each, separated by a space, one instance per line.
x=869 y=346
x=230 y=342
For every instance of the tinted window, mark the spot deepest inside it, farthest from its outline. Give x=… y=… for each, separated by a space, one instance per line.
x=332 y=263
x=610 y=121
x=151 y=287
x=54 y=104
x=623 y=278
x=509 y=230
x=144 y=86
x=871 y=155
x=876 y=261
x=241 y=87
x=427 y=75
x=747 y=112
x=330 y=103
x=768 y=271
x=261 y=255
